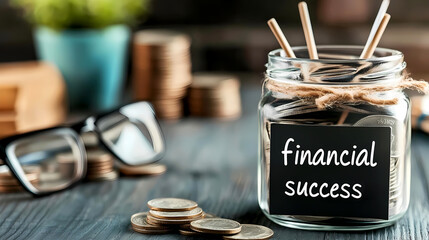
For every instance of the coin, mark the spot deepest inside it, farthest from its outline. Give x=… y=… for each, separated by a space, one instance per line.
x=151 y=231
x=177 y=215
x=252 y=232
x=162 y=70
x=210 y=81
x=216 y=226
x=149 y=169
x=11 y=180
x=90 y=139
x=139 y=220
x=100 y=165
x=9 y=189
x=101 y=169
x=155 y=220
x=186 y=226
x=98 y=156
x=397 y=129
x=189 y=233
x=171 y=204
x=105 y=176
x=214 y=95
x=8 y=182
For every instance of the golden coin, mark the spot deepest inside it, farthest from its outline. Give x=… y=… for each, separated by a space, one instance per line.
x=101 y=163
x=151 y=231
x=154 y=220
x=212 y=81
x=216 y=226
x=177 y=215
x=99 y=172
x=7 y=189
x=139 y=220
x=189 y=233
x=98 y=156
x=161 y=38
x=171 y=204
x=186 y=226
x=90 y=139
x=105 y=176
x=151 y=222
x=10 y=180
x=149 y=169
x=252 y=232
x=31 y=171
x=97 y=168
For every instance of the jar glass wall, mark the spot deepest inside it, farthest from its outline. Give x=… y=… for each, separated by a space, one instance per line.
x=338 y=66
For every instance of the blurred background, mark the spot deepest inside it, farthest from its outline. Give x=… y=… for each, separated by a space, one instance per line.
x=105 y=52
x=233 y=35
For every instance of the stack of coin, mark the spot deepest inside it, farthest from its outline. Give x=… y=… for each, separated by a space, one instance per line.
x=143 y=170
x=90 y=140
x=162 y=70
x=100 y=166
x=168 y=215
x=215 y=95
x=8 y=182
x=66 y=164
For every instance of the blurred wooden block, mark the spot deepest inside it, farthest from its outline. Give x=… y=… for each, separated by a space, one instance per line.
x=8 y=95
x=32 y=96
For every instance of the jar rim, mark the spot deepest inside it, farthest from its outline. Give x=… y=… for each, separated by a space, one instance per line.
x=390 y=54
x=339 y=64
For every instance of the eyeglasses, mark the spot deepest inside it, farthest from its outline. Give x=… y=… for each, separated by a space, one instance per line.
x=54 y=159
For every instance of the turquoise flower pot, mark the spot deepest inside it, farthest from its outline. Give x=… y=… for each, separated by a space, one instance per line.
x=92 y=62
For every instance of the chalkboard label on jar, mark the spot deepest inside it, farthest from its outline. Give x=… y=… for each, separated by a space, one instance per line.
x=336 y=171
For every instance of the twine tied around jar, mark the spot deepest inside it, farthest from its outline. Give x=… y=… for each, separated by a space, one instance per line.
x=328 y=96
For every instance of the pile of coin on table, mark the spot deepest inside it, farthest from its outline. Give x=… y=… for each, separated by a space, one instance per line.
x=214 y=95
x=9 y=184
x=175 y=215
x=101 y=165
x=162 y=70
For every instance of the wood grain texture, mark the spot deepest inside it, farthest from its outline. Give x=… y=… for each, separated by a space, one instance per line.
x=211 y=162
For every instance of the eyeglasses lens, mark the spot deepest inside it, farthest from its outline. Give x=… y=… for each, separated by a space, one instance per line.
x=49 y=161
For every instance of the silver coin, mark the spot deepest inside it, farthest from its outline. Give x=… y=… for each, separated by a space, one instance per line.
x=155 y=220
x=397 y=139
x=216 y=226
x=189 y=233
x=252 y=232
x=171 y=204
x=177 y=215
x=138 y=220
x=151 y=231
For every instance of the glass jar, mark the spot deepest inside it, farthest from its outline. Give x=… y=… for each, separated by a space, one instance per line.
x=352 y=193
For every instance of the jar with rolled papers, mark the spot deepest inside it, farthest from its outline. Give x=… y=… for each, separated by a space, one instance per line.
x=334 y=139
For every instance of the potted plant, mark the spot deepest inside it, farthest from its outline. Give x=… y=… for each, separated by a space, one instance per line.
x=87 y=40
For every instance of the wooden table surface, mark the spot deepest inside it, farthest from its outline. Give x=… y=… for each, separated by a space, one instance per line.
x=211 y=162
